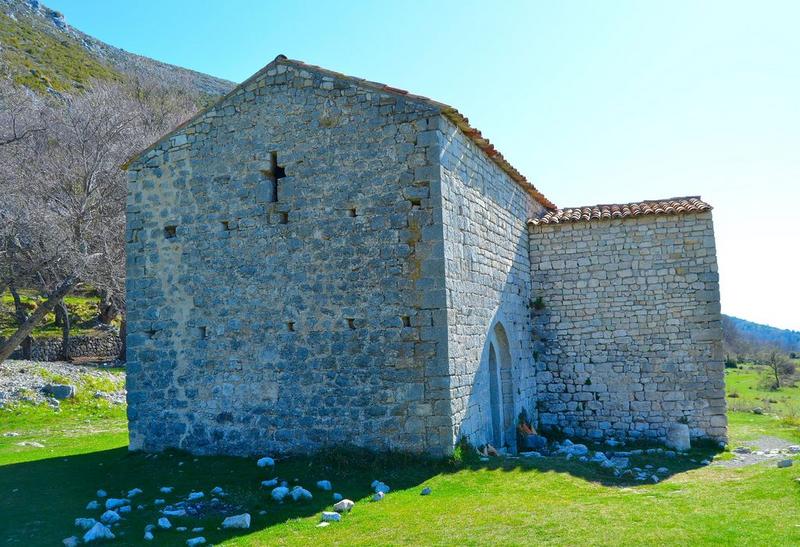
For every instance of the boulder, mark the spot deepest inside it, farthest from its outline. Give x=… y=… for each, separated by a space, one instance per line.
x=110 y=517
x=60 y=391
x=324 y=485
x=331 y=516
x=148 y=535
x=71 y=541
x=217 y=491
x=300 y=493
x=270 y=483
x=85 y=523
x=237 y=521
x=165 y=489
x=343 y=506
x=92 y=505
x=279 y=492
x=164 y=523
x=678 y=437
x=98 y=531
x=134 y=492
x=113 y=503
x=425 y=491
x=101 y=494
x=337 y=497
x=266 y=461
x=785 y=463
x=378 y=496
x=193 y=496
x=200 y=540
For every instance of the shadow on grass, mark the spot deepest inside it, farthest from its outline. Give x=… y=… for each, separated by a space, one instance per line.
x=41 y=499
x=648 y=463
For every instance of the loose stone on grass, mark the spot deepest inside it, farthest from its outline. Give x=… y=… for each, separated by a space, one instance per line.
x=343 y=506
x=237 y=521
x=98 y=531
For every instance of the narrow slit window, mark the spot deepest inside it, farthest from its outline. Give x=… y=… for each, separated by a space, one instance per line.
x=202 y=332
x=290 y=326
x=406 y=321
x=276 y=172
x=226 y=225
x=170 y=231
x=351 y=323
x=283 y=218
x=416 y=203
x=352 y=212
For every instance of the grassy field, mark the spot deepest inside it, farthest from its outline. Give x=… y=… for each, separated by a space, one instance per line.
x=511 y=502
x=82 y=308
x=746 y=391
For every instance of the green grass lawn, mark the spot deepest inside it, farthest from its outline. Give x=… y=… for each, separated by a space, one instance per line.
x=82 y=308
x=746 y=391
x=512 y=502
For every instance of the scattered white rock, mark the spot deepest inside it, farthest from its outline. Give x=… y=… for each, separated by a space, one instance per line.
x=705 y=462
x=148 y=536
x=110 y=517
x=159 y=501
x=237 y=521
x=531 y=454
x=101 y=493
x=343 y=506
x=331 y=516
x=794 y=449
x=678 y=437
x=200 y=540
x=124 y=509
x=197 y=529
x=662 y=470
x=323 y=524
x=266 y=461
x=85 y=523
x=378 y=496
x=181 y=529
x=71 y=541
x=174 y=512
x=425 y=491
x=113 y=503
x=217 y=491
x=300 y=493
x=324 y=485
x=379 y=486
x=134 y=492
x=262 y=512
x=654 y=478
x=195 y=496
x=166 y=489
x=337 y=497
x=279 y=492
x=573 y=449
x=270 y=483
x=98 y=531
x=149 y=527
x=164 y=523
x=32 y=444
x=785 y=463
x=92 y=505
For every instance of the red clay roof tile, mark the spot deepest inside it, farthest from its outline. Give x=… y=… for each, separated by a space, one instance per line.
x=669 y=206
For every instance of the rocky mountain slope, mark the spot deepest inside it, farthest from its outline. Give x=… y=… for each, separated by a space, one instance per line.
x=745 y=337
x=39 y=50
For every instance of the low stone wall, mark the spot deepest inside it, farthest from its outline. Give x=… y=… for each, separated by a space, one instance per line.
x=49 y=349
x=629 y=327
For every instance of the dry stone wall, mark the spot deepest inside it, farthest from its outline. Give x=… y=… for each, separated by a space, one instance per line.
x=285 y=274
x=49 y=349
x=629 y=337
x=487 y=271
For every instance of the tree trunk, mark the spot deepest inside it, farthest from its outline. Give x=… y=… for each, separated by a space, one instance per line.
x=35 y=318
x=65 y=326
x=123 y=332
x=59 y=320
x=22 y=316
x=107 y=311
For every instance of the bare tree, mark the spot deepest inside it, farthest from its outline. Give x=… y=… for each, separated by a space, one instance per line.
x=779 y=367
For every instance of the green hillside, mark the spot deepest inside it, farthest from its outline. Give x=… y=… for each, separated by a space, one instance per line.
x=39 y=60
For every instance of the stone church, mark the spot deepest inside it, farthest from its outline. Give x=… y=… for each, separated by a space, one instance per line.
x=321 y=260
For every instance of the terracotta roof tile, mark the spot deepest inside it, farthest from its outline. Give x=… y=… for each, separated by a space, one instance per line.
x=669 y=206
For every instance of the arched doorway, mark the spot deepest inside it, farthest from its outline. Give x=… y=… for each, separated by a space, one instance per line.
x=501 y=394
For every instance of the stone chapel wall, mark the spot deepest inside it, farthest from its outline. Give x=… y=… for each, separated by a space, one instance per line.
x=630 y=334
x=263 y=322
x=488 y=283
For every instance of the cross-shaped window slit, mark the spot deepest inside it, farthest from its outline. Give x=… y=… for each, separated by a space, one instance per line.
x=275 y=172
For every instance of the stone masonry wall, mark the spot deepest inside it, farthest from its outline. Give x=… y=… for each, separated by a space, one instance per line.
x=630 y=333
x=49 y=349
x=488 y=284
x=279 y=323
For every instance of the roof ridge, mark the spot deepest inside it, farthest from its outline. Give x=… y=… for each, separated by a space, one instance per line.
x=665 y=206
x=449 y=112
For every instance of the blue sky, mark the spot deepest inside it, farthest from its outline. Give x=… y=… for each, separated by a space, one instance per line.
x=596 y=102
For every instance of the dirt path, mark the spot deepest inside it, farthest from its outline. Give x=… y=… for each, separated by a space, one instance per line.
x=765 y=448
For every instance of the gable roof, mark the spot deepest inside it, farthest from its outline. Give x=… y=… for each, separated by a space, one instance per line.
x=669 y=206
x=449 y=112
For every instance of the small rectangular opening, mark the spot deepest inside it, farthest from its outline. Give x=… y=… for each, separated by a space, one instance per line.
x=406 y=320
x=352 y=212
x=283 y=218
x=170 y=231
x=290 y=326
x=150 y=333
x=202 y=332
x=351 y=323
x=416 y=203
x=226 y=225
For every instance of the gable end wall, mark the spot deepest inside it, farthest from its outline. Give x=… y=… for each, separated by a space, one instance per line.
x=630 y=334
